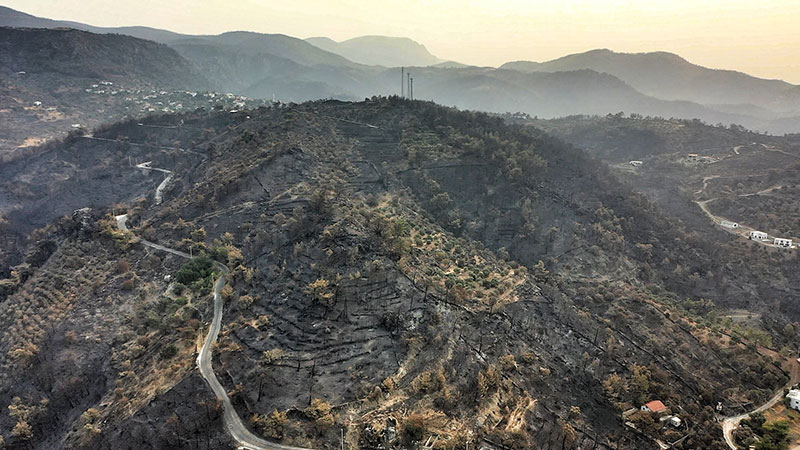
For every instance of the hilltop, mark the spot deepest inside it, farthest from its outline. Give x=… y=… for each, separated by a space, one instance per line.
x=425 y=270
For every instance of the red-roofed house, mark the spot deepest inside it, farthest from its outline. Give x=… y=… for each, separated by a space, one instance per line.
x=654 y=407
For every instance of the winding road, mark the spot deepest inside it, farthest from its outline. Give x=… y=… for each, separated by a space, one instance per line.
x=159 y=196
x=729 y=424
x=245 y=439
x=742 y=230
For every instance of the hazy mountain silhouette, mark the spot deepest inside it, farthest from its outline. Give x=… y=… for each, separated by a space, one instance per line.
x=13 y=18
x=670 y=77
x=379 y=50
x=553 y=94
x=251 y=71
x=275 y=44
x=598 y=82
x=451 y=65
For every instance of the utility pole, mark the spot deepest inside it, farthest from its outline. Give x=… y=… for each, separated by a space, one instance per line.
x=408 y=83
x=402 y=81
x=412 y=88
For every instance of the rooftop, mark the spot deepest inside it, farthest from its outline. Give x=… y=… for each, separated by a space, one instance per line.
x=656 y=406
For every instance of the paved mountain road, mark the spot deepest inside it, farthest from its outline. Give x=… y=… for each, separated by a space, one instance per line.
x=730 y=424
x=159 y=196
x=244 y=438
x=742 y=230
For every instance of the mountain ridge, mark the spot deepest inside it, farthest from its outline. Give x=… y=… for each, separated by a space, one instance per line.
x=376 y=50
x=263 y=65
x=671 y=77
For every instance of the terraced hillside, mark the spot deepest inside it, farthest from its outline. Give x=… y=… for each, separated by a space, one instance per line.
x=400 y=273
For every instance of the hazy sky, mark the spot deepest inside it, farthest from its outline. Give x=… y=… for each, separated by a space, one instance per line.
x=761 y=37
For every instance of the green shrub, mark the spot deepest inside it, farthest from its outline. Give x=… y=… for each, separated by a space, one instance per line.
x=194 y=270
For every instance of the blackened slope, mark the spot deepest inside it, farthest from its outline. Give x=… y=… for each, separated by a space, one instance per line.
x=445 y=173
x=366 y=270
x=79 y=54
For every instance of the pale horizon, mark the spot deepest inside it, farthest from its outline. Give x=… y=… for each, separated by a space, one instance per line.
x=762 y=40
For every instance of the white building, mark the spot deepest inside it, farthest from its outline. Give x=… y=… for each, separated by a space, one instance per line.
x=782 y=242
x=758 y=236
x=729 y=224
x=636 y=163
x=794 y=399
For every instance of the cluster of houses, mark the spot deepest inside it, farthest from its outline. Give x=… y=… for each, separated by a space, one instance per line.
x=763 y=237
x=151 y=100
x=759 y=235
x=659 y=410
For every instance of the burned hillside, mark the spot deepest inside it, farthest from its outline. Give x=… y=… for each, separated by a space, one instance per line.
x=398 y=270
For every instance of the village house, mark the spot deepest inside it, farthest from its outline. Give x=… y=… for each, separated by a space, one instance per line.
x=729 y=224
x=675 y=421
x=692 y=157
x=758 y=236
x=794 y=399
x=655 y=406
x=782 y=242
x=636 y=163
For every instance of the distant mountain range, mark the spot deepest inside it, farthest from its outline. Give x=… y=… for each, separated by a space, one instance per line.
x=379 y=51
x=13 y=18
x=670 y=77
x=596 y=82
